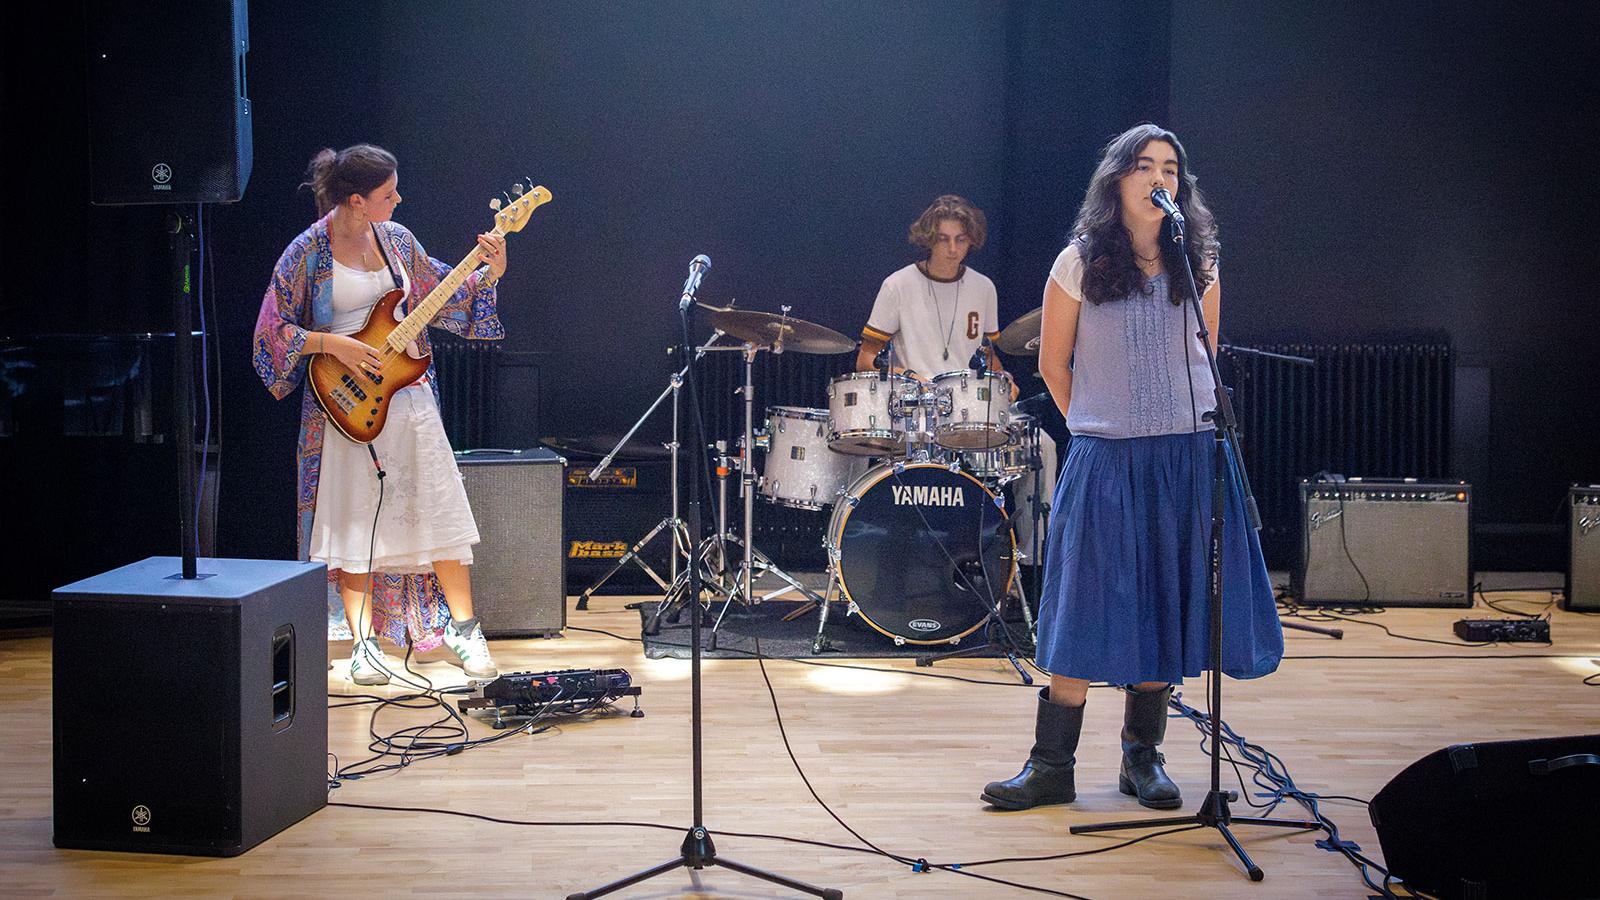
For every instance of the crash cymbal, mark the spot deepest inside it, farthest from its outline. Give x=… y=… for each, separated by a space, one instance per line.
x=1021 y=338
x=778 y=332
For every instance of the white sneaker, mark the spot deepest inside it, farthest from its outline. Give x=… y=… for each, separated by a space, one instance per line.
x=368 y=664
x=473 y=650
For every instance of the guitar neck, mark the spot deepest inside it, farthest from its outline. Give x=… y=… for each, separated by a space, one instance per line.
x=417 y=320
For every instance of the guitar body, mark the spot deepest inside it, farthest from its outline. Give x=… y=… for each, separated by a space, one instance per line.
x=356 y=402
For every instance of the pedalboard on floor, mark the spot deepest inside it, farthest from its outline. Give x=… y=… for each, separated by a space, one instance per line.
x=1510 y=631
x=525 y=695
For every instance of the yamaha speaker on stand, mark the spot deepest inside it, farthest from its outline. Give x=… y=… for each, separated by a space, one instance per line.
x=169 y=119
x=190 y=714
x=518 y=569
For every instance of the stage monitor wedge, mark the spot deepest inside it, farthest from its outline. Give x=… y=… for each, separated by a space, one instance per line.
x=169 y=117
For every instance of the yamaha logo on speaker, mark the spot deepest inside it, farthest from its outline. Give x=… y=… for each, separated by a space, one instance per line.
x=161 y=175
x=141 y=818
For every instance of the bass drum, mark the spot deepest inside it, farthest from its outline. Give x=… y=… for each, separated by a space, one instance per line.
x=922 y=552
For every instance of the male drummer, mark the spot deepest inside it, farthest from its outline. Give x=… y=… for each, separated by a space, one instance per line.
x=935 y=313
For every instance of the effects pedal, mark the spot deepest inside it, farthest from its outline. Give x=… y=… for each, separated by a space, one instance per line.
x=1511 y=631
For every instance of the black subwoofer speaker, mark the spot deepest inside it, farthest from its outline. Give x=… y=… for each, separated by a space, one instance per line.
x=1497 y=819
x=190 y=716
x=1583 y=543
x=1384 y=542
x=169 y=118
x=518 y=571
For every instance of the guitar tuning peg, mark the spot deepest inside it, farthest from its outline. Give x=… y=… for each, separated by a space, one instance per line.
x=517 y=189
x=529 y=179
x=494 y=203
x=506 y=195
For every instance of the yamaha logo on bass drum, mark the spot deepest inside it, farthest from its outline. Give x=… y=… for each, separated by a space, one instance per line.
x=922 y=495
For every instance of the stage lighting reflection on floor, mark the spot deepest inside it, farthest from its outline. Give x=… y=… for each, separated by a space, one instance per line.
x=854 y=681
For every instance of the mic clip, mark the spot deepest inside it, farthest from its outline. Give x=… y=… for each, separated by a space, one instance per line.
x=979 y=363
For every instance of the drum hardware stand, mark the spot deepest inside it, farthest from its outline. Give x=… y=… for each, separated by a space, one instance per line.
x=1213 y=811
x=697 y=850
x=673 y=523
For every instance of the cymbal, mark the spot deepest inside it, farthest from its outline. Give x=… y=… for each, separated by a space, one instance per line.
x=775 y=331
x=1021 y=338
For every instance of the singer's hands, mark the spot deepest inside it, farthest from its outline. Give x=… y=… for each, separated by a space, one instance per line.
x=492 y=250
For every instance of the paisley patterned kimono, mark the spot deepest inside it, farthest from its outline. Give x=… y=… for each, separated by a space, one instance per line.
x=406 y=608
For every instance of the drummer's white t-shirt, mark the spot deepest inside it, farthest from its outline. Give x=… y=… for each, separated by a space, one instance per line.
x=935 y=325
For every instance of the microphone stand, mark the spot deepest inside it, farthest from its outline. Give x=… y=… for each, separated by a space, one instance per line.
x=1213 y=812
x=697 y=850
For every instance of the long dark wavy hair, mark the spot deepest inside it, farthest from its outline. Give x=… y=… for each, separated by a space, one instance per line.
x=1109 y=269
x=360 y=169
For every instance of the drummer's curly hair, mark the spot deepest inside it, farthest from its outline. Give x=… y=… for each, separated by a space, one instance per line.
x=1109 y=270
x=926 y=227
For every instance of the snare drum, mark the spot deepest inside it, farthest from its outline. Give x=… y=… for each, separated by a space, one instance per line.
x=1006 y=462
x=979 y=410
x=864 y=413
x=801 y=471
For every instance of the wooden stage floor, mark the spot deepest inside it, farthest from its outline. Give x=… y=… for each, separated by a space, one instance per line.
x=899 y=757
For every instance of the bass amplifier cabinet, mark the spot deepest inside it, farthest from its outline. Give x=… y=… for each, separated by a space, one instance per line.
x=1384 y=542
x=518 y=576
x=1583 y=540
x=607 y=516
x=189 y=715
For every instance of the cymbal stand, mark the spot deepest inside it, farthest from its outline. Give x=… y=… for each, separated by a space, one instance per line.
x=673 y=523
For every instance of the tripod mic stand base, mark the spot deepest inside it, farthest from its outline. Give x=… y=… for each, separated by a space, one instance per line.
x=698 y=852
x=1213 y=813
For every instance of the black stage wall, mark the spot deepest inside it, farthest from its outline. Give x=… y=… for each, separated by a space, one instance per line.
x=1369 y=176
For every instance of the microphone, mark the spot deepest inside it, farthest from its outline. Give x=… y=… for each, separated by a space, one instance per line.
x=1160 y=199
x=697 y=271
x=979 y=362
x=881 y=362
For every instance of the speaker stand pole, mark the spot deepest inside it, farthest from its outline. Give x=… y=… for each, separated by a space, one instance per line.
x=697 y=850
x=181 y=243
x=1214 y=812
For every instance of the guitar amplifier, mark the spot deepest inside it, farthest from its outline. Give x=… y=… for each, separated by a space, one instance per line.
x=1384 y=542
x=608 y=516
x=518 y=570
x=1583 y=539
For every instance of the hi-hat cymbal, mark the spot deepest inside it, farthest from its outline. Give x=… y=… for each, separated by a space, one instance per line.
x=1021 y=338
x=778 y=332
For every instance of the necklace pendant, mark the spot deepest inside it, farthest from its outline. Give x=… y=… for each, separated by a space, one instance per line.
x=947 y=354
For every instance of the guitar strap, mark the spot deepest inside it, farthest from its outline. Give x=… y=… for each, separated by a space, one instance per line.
x=383 y=249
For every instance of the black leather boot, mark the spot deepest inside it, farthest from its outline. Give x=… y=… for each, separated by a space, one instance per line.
x=1047 y=775
x=1144 y=724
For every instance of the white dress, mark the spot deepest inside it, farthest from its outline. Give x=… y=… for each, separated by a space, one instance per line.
x=425 y=516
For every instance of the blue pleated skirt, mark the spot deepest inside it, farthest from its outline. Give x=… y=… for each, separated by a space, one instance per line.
x=1125 y=597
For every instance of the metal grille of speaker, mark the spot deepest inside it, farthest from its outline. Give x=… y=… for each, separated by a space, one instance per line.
x=518 y=570
x=1409 y=540
x=1583 y=539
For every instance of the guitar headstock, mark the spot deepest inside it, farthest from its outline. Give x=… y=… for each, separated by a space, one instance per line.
x=522 y=201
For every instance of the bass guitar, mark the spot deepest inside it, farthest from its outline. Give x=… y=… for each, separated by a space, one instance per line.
x=357 y=402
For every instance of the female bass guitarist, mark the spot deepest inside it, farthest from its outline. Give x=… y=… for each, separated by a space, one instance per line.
x=401 y=567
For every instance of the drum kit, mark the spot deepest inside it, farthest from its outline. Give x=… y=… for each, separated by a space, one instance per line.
x=919 y=544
